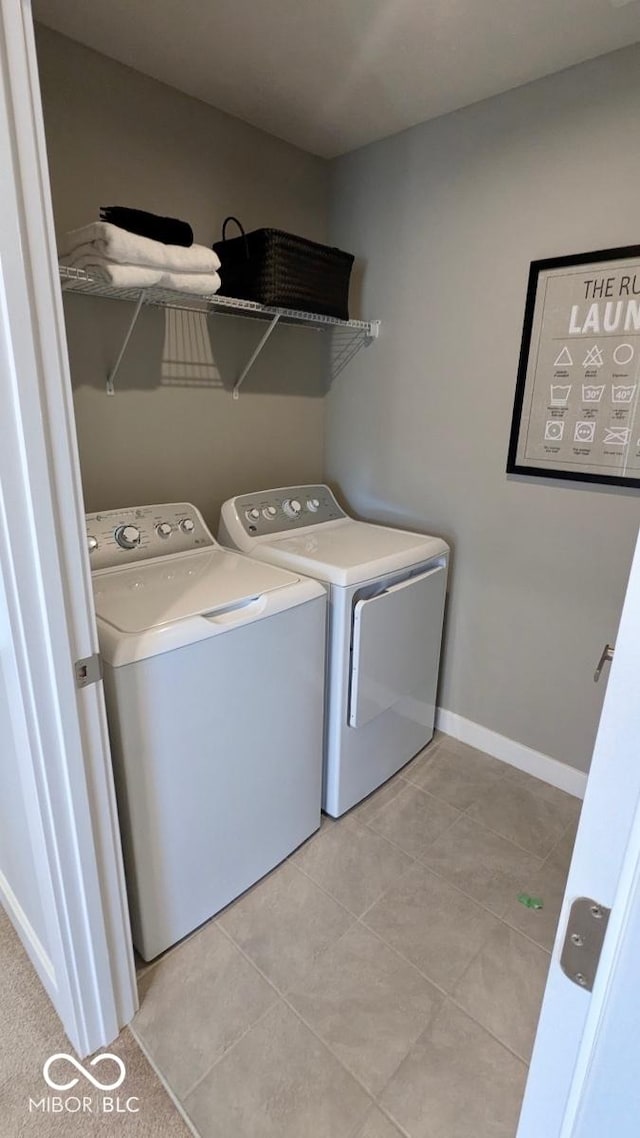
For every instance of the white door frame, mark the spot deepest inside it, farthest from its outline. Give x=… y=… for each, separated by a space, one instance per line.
x=578 y=1029
x=90 y=974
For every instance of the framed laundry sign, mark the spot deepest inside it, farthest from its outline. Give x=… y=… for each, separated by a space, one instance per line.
x=575 y=411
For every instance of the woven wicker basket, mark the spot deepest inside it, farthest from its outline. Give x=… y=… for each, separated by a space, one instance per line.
x=284 y=271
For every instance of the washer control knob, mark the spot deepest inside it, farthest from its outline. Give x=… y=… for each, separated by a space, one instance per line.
x=163 y=529
x=313 y=505
x=187 y=525
x=92 y=542
x=127 y=537
x=253 y=514
x=269 y=513
x=291 y=507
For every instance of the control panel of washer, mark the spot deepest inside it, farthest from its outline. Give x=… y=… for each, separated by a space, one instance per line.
x=288 y=508
x=118 y=537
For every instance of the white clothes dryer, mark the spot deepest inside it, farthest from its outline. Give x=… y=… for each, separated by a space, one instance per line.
x=214 y=677
x=386 y=592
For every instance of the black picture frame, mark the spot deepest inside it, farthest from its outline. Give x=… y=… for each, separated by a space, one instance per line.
x=596 y=257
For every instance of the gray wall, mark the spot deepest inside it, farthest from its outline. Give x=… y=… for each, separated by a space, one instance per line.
x=446 y=218
x=173 y=431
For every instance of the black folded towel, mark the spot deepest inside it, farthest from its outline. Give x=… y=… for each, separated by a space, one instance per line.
x=168 y=230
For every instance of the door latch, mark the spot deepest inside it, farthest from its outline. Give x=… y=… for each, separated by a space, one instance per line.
x=606 y=658
x=88 y=671
x=583 y=941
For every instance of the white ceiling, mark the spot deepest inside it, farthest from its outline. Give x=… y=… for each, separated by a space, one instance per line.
x=331 y=75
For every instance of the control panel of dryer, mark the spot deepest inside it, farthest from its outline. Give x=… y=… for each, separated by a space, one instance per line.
x=119 y=537
x=288 y=508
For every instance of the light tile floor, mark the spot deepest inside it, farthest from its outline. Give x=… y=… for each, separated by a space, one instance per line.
x=385 y=980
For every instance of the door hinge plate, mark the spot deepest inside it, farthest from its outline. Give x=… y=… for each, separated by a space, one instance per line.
x=88 y=671
x=583 y=941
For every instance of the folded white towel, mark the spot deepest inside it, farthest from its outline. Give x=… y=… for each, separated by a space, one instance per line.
x=126 y=248
x=201 y=284
x=120 y=276
x=137 y=276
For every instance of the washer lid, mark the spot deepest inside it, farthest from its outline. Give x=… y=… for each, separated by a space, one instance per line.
x=348 y=552
x=155 y=593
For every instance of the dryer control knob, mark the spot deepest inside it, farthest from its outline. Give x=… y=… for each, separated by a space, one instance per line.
x=253 y=514
x=313 y=504
x=187 y=525
x=291 y=507
x=269 y=513
x=164 y=529
x=92 y=542
x=127 y=537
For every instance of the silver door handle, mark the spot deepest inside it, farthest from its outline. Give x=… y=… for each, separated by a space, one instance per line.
x=606 y=658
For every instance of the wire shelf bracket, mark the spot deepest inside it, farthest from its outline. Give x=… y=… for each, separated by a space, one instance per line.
x=358 y=332
x=252 y=359
x=127 y=336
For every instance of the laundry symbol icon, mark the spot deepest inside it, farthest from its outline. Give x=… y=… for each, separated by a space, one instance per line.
x=622 y=393
x=623 y=354
x=593 y=357
x=584 y=433
x=560 y=394
x=619 y=436
x=554 y=430
x=591 y=393
x=564 y=359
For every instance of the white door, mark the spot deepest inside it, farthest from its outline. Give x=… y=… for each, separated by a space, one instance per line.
x=584 y=1078
x=61 y=879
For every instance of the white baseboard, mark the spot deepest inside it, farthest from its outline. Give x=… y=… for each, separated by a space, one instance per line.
x=515 y=754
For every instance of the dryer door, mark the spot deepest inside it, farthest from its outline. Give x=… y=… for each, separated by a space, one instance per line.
x=396 y=645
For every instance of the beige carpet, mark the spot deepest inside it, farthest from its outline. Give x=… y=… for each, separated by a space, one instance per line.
x=30 y=1032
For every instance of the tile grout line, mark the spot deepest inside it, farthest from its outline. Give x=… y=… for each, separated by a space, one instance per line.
x=279 y=994
x=445 y=880
x=391 y=842
x=523 y=849
x=386 y=1113
x=405 y=959
x=232 y=1046
x=332 y=897
x=282 y=996
x=419 y=860
x=447 y=995
x=468 y=898
x=492 y=913
x=484 y=1027
x=560 y=839
x=373 y=1097
x=165 y=1083
x=252 y=964
x=327 y=893
x=466 y=813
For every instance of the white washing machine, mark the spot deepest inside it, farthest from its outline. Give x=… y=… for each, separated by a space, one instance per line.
x=214 y=678
x=386 y=605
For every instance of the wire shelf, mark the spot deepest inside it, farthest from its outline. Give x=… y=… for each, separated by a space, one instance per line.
x=349 y=335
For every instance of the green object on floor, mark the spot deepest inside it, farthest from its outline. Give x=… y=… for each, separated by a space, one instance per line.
x=530 y=902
